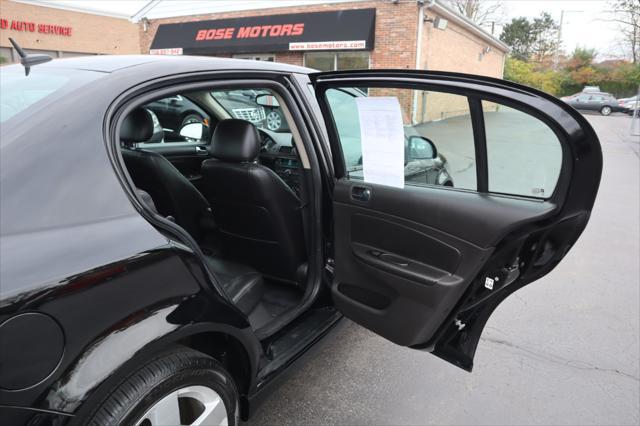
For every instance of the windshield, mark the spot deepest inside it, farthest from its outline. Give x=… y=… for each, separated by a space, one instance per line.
x=241 y=103
x=18 y=92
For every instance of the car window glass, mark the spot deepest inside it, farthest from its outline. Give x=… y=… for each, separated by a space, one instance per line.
x=21 y=93
x=438 y=136
x=178 y=119
x=524 y=155
x=258 y=106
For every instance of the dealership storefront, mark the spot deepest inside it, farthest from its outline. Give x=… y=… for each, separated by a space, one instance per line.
x=324 y=40
x=333 y=36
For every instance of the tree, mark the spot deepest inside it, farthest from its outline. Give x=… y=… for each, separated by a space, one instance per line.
x=481 y=12
x=545 y=37
x=531 y=40
x=525 y=73
x=627 y=14
x=518 y=35
x=581 y=57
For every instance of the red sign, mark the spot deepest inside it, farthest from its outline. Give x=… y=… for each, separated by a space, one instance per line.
x=33 y=27
x=251 y=32
x=343 y=29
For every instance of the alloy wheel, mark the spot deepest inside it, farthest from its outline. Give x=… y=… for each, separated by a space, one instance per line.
x=191 y=405
x=605 y=110
x=274 y=121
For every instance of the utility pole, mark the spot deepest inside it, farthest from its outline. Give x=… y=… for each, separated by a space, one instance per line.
x=556 y=60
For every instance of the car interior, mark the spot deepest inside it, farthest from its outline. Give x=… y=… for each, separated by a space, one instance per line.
x=233 y=185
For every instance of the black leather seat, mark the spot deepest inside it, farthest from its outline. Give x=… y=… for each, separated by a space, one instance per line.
x=164 y=190
x=243 y=284
x=257 y=214
x=170 y=190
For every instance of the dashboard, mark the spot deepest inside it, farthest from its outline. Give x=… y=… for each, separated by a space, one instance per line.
x=278 y=153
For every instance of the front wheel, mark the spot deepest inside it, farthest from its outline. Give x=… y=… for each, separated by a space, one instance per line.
x=179 y=387
x=605 y=110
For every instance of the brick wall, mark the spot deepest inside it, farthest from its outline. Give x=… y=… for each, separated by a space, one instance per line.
x=456 y=49
x=453 y=49
x=90 y=33
x=395 y=32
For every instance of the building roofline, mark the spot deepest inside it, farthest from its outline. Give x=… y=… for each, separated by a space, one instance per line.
x=465 y=22
x=71 y=8
x=248 y=7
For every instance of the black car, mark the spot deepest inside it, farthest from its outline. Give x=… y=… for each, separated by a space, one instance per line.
x=175 y=112
x=604 y=103
x=150 y=283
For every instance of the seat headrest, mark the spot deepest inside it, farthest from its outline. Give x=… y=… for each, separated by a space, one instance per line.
x=136 y=127
x=235 y=140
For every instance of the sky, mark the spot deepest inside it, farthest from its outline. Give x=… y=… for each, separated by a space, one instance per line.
x=584 y=23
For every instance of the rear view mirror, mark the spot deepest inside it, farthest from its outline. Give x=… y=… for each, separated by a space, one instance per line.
x=192 y=131
x=421 y=148
x=267 y=100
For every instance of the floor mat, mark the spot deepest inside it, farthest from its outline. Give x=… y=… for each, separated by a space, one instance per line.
x=277 y=299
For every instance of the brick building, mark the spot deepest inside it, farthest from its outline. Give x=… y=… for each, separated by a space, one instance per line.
x=325 y=35
x=337 y=35
x=404 y=34
x=64 y=32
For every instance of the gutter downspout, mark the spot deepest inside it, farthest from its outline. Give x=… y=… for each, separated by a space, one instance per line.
x=421 y=5
x=414 y=115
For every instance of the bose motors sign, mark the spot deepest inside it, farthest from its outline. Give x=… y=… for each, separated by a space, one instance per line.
x=338 y=30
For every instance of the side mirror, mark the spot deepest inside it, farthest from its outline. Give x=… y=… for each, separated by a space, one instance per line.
x=421 y=148
x=192 y=131
x=267 y=100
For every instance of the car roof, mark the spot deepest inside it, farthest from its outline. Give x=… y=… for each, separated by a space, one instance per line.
x=593 y=93
x=113 y=63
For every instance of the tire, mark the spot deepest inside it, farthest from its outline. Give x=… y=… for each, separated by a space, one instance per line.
x=191 y=118
x=605 y=110
x=179 y=378
x=274 y=120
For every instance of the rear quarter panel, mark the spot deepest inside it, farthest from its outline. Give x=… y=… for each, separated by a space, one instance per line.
x=73 y=247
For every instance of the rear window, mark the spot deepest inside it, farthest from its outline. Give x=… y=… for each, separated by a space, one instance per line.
x=20 y=92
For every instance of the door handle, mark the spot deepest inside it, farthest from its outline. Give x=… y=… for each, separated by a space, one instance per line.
x=361 y=193
x=200 y=150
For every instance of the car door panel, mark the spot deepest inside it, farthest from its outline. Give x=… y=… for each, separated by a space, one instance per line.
x=425 y=266
x=415 y=257
x=449 y=214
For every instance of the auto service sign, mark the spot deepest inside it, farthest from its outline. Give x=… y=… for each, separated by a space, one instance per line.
x=334 y=30
x=35 y=27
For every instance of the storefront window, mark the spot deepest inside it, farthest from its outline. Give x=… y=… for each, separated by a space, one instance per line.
x=352 y=60
x=322 y=61
x=269 y=57
x=331 y=61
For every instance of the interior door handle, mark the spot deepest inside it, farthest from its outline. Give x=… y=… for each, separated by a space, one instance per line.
x=360 y=193
x=200 y=150
x=396 y=260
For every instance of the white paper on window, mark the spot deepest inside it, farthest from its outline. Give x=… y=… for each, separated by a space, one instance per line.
x=382 y=139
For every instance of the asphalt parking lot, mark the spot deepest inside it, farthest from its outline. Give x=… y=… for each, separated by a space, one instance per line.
x=564 y=350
